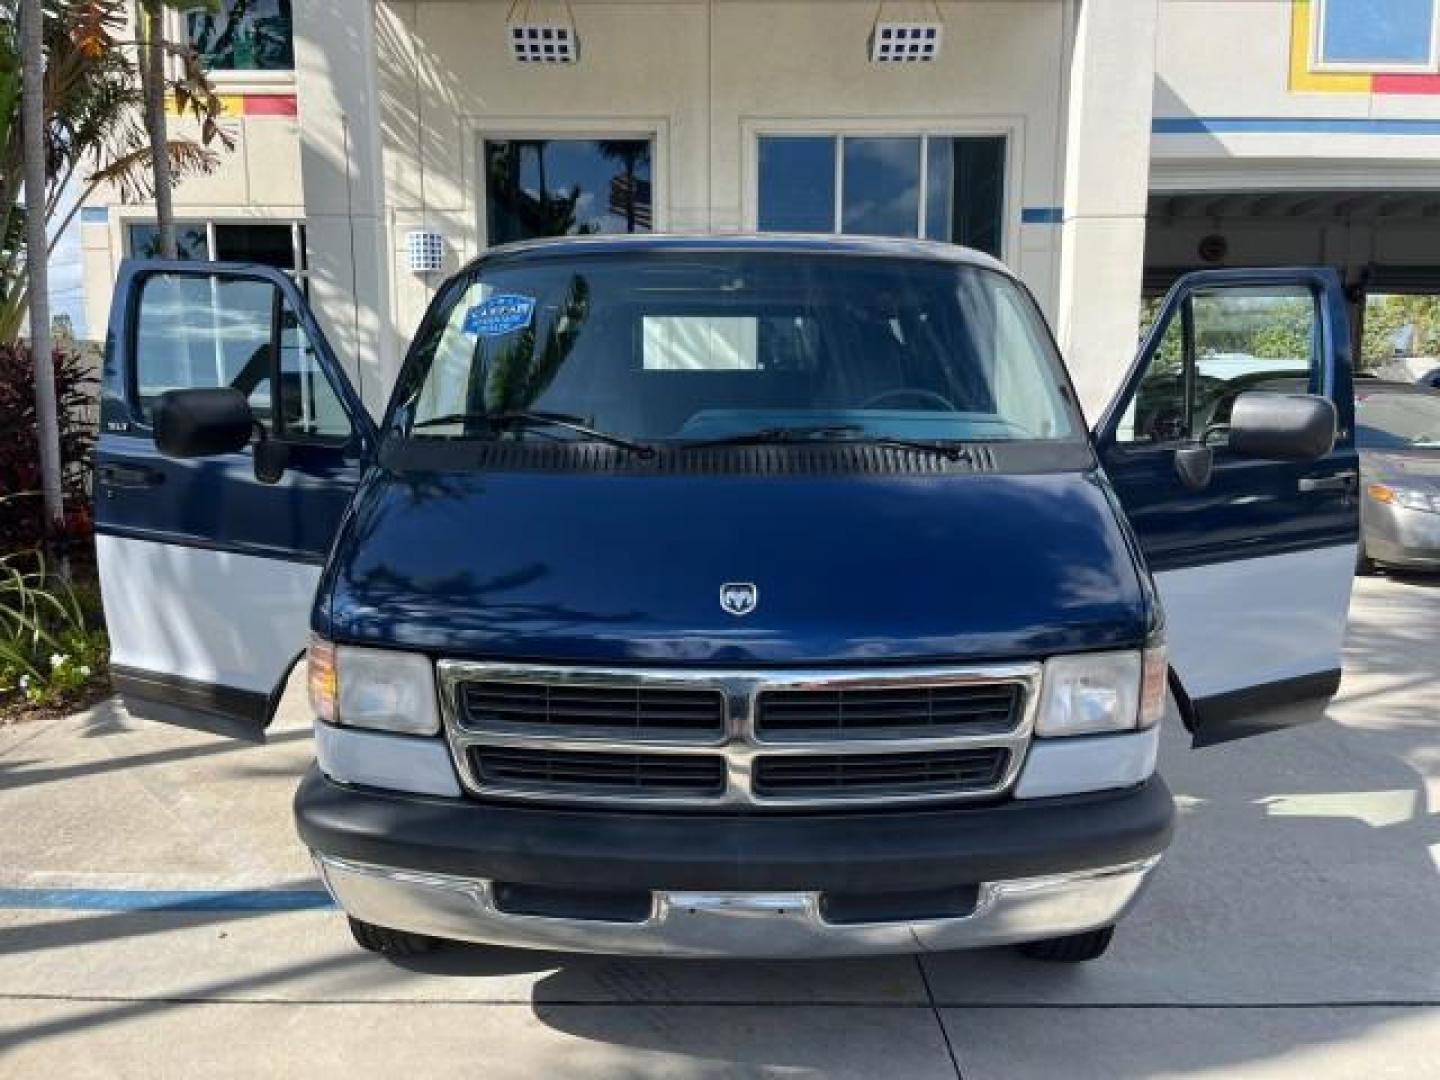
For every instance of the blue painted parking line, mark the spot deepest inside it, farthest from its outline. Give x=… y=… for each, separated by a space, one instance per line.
x=164 y=899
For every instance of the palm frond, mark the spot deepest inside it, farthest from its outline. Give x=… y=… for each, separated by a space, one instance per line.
x=132 y=175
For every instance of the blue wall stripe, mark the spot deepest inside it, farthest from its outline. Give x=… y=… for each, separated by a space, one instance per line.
x=95 y=214
x=164 y=899
x=1042 y=215
x=1289 y=125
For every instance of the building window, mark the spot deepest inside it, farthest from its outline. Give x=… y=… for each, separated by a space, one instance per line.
x=243 y=35
x=797 y=184
x=936 y=187
x=566 y=187
x=880 y=186
x=1374 y=35
x=280 y=244
x=190 y=241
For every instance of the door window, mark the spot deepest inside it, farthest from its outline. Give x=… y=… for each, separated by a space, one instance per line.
x=311 y=407
x=929 y=186
x=196 y=331
x=566 y=187
x=1218 y=344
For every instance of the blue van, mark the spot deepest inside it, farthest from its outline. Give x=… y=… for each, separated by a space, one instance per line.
x=729 y=596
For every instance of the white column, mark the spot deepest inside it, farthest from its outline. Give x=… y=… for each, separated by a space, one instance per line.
x=345 y=212
x=1107 y=176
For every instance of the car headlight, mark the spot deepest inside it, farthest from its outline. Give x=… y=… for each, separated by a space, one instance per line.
x=1095 y=692
x=381 y=689
x=1409 y=498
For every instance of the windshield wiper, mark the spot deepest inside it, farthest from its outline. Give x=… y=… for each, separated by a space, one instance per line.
x=851 y=433
x=505 y=420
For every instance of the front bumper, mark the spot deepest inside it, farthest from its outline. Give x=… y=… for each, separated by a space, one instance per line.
x=739 y=924
x=736 y=885
x=1403 y=537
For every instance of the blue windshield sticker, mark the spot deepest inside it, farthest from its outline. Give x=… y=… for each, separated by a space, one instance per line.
x=500 y=314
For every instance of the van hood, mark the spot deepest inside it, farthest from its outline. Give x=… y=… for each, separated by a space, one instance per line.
x=575 y=567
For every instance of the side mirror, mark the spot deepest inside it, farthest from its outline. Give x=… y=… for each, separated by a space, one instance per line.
x=1194 y=463
x=1282 y=427
x=202 y=423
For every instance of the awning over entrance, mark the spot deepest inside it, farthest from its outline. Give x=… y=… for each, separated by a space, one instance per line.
x=1377 y=238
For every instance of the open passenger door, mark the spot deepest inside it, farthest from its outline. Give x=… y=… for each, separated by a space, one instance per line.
x=208 y=563
x=1246 y=515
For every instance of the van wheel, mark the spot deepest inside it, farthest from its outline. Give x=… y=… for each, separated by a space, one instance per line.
x=1070 y=949
x=387 y=942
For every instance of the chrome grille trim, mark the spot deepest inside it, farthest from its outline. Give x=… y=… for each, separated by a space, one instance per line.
x=739 y=746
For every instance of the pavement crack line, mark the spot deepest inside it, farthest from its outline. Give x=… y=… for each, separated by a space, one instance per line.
x=931 y=1006
x=935 y=1012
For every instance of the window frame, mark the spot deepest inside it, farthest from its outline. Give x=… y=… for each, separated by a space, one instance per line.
x=229 y=80
x=1318 y=63
x=143 y=424
x=655 y=130
x=1010 y=129
x=210 y=221
x=1184 y=313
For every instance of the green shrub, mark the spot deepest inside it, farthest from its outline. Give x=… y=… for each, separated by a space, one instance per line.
x=52 y=642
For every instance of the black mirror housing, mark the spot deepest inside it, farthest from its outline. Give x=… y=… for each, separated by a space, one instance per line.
x=1194 y=464
x=272 y=457
x=202 y=423
x=1282 y=427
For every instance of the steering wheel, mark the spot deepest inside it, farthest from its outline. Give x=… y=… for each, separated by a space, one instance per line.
x=914 y=392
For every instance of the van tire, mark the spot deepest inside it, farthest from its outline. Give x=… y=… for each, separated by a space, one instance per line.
x=387 y=942
x=1071 y=949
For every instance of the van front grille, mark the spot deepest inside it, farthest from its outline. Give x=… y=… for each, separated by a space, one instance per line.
x=895 y=712
x=715 y=739
x=621 y=711
x=945 y=772
x=642 y=775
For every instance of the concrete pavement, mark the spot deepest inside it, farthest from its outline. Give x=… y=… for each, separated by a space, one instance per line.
x=1291 y=931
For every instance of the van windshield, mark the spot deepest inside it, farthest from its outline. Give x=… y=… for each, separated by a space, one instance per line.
x=672 y=348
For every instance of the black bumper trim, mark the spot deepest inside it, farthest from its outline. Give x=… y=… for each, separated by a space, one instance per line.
x=855 y=852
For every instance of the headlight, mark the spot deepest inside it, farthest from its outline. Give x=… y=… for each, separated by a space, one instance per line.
x=1409 y=498
x=383 y=689
x=1094 y=692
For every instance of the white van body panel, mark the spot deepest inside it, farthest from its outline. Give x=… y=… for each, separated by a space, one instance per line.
x=204 y=615
x=1234 y=625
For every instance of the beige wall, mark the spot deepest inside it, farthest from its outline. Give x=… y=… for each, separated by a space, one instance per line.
x=706 y=79
x=1232 y=58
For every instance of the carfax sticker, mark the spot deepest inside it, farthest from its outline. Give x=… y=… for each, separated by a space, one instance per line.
x=503 y=313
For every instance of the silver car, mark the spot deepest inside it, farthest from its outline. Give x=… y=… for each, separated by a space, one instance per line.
x=1397 y=429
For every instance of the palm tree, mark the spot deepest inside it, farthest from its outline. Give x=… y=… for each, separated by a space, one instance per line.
x=153 y=82
x=91 y=132
x=32 y=122
x=631 y=153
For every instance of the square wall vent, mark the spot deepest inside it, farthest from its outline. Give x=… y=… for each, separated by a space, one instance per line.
x=424 y=251
x=905 y=42
x=544 y=43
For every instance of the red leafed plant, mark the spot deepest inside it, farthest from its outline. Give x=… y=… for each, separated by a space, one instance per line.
x=22 y=514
